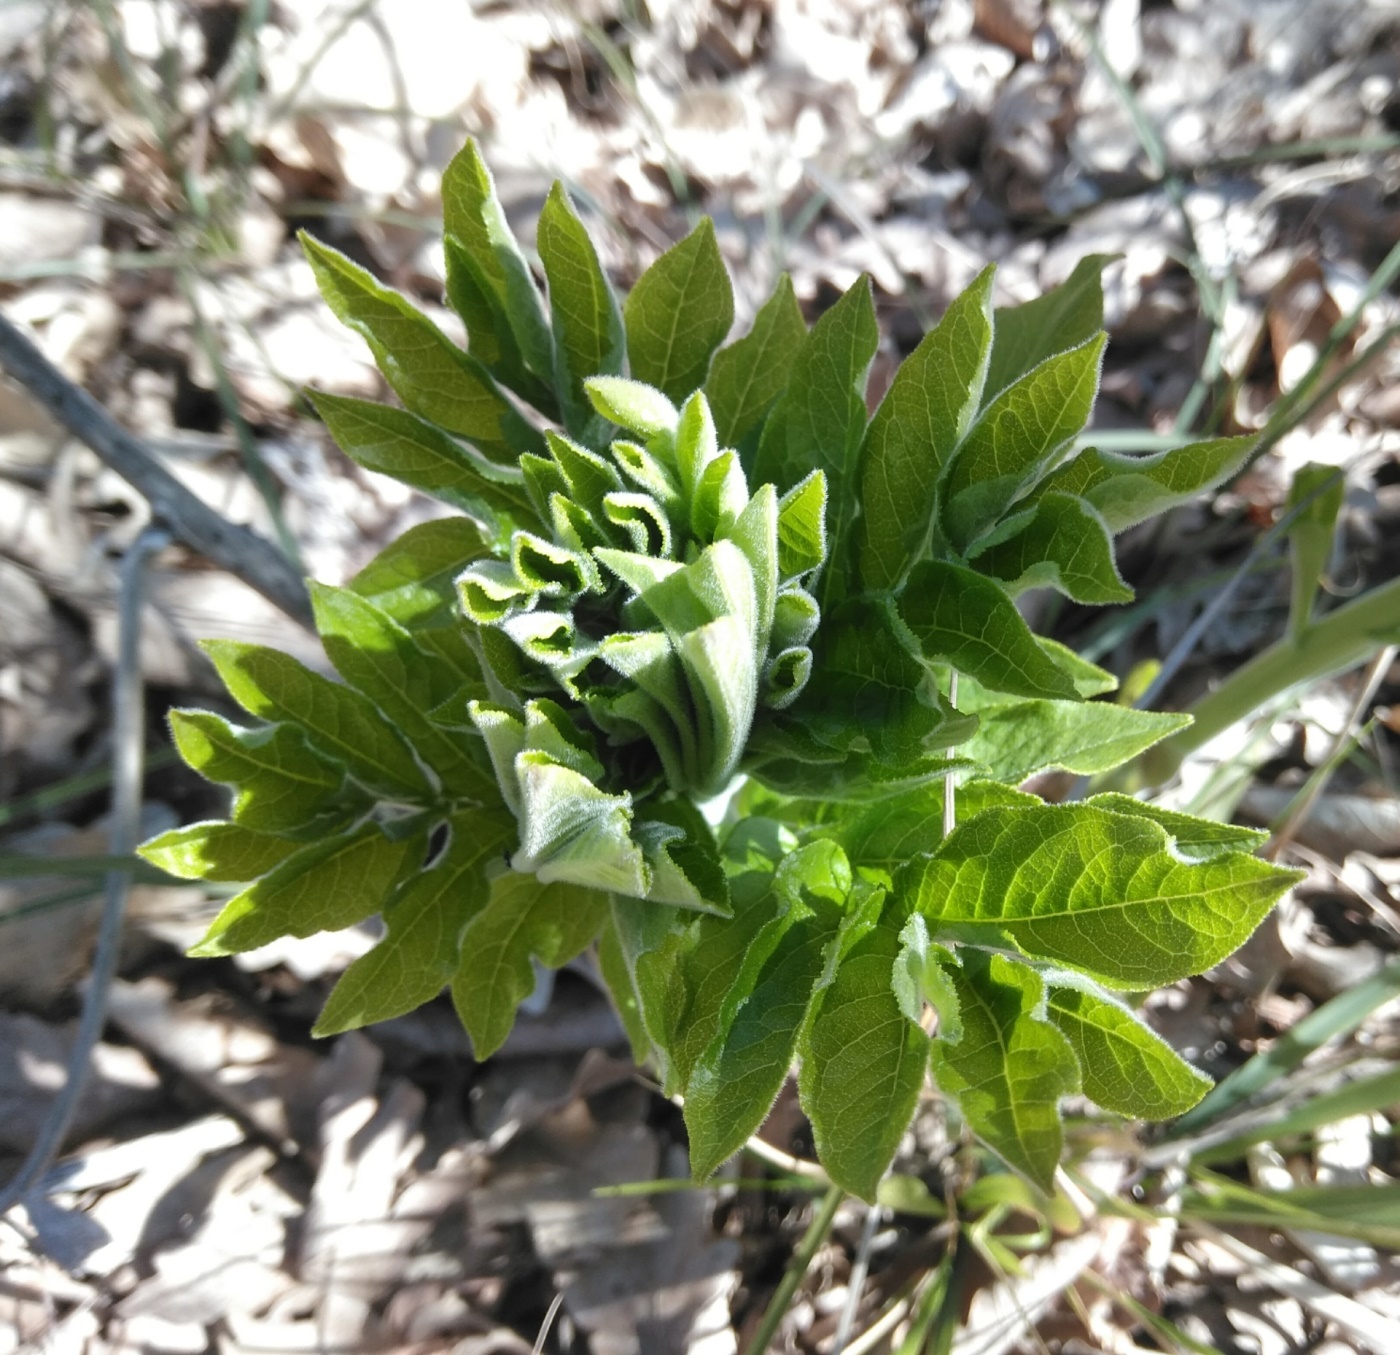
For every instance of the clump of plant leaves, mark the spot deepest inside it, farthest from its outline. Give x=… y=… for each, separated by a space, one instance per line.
x=699 y=561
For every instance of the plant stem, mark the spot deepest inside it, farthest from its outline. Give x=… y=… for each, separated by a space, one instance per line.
x=812 y=1239
x=1341 y=640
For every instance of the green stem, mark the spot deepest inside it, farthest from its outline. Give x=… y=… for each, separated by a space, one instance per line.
x=815 y=1235
x=1341 y=640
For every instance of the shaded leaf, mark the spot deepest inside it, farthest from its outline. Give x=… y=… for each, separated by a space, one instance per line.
x=918 y=427
x=1008 y=1068
x=679 y=312
x=749 y=374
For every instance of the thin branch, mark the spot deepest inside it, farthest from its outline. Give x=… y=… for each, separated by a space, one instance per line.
x=240 y=551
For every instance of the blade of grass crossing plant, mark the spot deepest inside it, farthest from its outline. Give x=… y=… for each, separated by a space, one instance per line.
x=338 y=721
x=749 y=374
x=915 y=432
x=1331 y=1021
x=1016 y=441
x=1100 y=892
x=678 y=314
x=523 y=919
x=819 y=423
x=428 y=372
x=1059 y=320
x=324 y=887
x=966 y=620
x=589 y=339
x=1319 y=491
x=1127 y=1068
x=863 y=1065
x=424 y=921
x=394 y=442
x=1009 y=1068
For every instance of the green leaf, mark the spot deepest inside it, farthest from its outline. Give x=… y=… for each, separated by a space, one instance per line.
x=588 y=336
x=428 y=372
x=505 y=320
x=920 y=976
x=1321 y=489
x=962 y=618
x=215 y=850
x=1199 y=839
x=1100 y=892
x=868 y=690
x=749 y=374
x=734 y=1084
x=887 y=834
x=524 y=918
x=413 y=578
x=338 y=721
x=1060 y=319
x=1016 y=441
x=863 y=1066
x=1020 y=739
x=633 y=405
x=324 y=887
x=371 y=650
x=1065 y=545
x=1127 y=1067
x=1127 y=489
x=802 y=528
x=280 y=784
x=1009 y=1068
x=678 y=313
x=819 y=421
x=612 y=964
x=424 y=921
x=918 y=427
x=394 y=442
x=1088 y=678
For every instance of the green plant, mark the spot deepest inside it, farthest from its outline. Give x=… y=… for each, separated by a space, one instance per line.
x=702 y=563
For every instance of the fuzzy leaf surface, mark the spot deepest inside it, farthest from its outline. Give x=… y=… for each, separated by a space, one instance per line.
x=216 y=850
x=428 y=372
x=863 y=1065
x=679 y=312
x=1019 y=739
x=1009 y=1068
x=918 y=427
x=1062 y=318
x=1127 y=489
x=588 y=336
x=394 y=442
x=1194 y=837
x=819 y=422
x=1097 y=891
x=420 y=950
x=338 y=721
x=748 y=375
x=961 y=617
x=523 y=918
x=1065 y=545
x=1016 y=441
x=280 y=784
x=325 y=887
x=1127 y=1067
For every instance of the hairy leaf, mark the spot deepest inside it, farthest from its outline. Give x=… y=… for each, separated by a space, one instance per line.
x=326 y=886
x=424 y=920
x=749 y=374
x=1127 y=1068
x=679 y=312
x=215 y=850
x=524 y=918
x=1008 y=1068
x=1098 y=891
x=1191 y=836
x=918 y=427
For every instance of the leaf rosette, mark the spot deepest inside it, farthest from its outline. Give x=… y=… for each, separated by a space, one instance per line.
x=676 y=569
